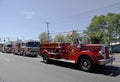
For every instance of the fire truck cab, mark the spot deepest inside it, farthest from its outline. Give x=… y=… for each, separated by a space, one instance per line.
x=86 y=56
x=29 y=48
x=7 y=47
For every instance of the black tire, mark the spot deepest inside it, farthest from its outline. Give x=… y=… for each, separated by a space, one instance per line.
x=86 y=64
x=35 y=55
x=45 y=58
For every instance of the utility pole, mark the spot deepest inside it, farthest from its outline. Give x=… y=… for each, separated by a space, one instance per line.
x=47 y=23
x=109 y=28
x=118 y=31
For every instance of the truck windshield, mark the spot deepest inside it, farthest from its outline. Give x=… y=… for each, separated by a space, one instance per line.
x=33 y=44
x=9 y=45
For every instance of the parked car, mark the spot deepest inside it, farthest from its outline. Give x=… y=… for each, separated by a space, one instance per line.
x=115 y=49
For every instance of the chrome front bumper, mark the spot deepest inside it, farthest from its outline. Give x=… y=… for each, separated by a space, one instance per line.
x=107 y=61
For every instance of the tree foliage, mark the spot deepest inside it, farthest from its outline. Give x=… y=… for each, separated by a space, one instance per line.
x=59 y=38
x=74 y=36
x=43 y=37
x=104 y=28
x=70 y=37
x=67 y=38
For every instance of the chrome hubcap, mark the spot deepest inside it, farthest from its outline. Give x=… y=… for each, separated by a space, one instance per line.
x=85 y=64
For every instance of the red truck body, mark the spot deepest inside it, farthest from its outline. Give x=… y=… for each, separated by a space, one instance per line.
x=85 y=55
x=1 y=46
x=29 y=48
x=16 y=47
x=7 y=47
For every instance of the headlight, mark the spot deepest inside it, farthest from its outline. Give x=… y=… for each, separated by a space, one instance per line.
x=101 y=52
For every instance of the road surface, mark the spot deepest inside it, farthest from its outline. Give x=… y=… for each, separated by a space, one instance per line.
x=15 y=68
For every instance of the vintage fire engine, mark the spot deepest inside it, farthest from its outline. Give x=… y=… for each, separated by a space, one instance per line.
x=29 y=48
x=87 y=56
x=7 y=47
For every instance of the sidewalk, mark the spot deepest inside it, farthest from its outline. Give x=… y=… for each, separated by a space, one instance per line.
x=117 y=59
x=115 y=54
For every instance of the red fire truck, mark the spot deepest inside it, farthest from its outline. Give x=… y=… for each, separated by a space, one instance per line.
x=1 y=46
x=29 y=48
x=7 y=47
x=87 y=56
x=16 y=47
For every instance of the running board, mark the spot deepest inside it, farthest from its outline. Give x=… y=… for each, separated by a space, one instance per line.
x=63 y=60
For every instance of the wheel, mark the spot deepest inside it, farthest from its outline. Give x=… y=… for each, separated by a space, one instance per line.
x=86 y=64
x=45 y=58
x=36 y=55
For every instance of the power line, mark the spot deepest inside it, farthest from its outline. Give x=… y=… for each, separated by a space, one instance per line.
x=67 y=32
x=99 y=10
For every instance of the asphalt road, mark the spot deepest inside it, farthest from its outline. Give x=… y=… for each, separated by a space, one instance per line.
x=15 y=68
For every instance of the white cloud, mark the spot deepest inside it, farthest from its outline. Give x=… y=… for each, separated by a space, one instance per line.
x=29 y=14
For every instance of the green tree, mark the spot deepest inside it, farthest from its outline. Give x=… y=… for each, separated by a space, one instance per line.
x=113 y=26
x=72 y=37
x=104 y=29
x=43 y=37
x=67 y=38
x=59 y=38
x=96 y=29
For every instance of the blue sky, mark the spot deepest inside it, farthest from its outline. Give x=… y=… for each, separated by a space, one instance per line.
x=26 y=19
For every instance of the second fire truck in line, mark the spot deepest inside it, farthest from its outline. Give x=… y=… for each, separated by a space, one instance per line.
x=26 y=48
